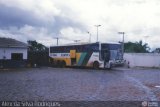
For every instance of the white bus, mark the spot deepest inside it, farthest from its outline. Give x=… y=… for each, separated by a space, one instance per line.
x=95 y=55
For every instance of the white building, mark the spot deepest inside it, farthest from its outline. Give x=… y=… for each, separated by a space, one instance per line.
x=13 y=53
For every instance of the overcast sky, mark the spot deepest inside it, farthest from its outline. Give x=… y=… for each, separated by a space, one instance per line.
x=44 y=20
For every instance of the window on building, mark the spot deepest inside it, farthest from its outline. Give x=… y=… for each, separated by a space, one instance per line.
x=17 y=56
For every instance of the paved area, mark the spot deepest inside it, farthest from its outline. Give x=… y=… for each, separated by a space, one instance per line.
x=69 y=84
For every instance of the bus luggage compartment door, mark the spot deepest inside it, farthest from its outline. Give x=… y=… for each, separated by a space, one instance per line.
x=73 y=57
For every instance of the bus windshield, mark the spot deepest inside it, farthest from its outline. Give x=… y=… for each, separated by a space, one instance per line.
x=112 y=50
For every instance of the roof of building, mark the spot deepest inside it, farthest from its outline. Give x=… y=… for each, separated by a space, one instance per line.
x=12 y=43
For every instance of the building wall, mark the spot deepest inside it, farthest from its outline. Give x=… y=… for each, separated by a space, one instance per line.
x=7 y=52
x=143 y=59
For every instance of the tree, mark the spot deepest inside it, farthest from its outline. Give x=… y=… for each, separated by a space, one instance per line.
x=157 y=50
x=35 y=46
x=137 y=47
x=37 y=54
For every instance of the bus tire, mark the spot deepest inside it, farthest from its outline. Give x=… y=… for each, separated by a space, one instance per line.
x=63 y=64
x=96 y=65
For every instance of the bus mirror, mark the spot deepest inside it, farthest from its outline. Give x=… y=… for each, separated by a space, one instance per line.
x=72 y=53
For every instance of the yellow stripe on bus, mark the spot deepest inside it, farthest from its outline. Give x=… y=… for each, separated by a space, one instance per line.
x=78 y=55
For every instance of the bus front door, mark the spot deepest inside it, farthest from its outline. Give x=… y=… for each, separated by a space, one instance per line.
x=105 y=57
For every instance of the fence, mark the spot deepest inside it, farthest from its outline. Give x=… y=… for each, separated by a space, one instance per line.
x=38 y=58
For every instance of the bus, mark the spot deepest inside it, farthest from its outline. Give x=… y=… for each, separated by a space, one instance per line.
x=94 y=55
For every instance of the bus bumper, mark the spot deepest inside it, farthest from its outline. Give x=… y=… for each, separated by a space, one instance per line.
x=118 y=62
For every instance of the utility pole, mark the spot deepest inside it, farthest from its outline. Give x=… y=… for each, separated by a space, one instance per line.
x=89 y=37
x=97 y=30
x=122 y=42
x=57 y=40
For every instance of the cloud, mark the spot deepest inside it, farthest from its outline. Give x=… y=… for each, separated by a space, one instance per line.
x=23 y=23
x=11 y=16
x=74 y=18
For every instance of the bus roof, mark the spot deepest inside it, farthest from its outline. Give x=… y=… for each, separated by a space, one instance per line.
x=86 y=43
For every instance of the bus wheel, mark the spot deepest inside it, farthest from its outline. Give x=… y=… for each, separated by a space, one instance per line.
x=63 y=64
x=96 y=65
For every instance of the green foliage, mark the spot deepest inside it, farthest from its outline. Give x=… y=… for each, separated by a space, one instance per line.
x=37 y=54
x=137 y=47
x=157 y=50
x=35 y=46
